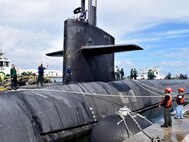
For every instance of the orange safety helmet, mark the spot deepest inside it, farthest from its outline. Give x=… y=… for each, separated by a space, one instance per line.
x=181 y=90
x=168 y=89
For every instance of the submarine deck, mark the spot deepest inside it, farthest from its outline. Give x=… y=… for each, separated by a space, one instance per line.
x=179 y=132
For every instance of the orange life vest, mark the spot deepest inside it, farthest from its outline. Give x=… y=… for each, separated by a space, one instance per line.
x=169 y=103
x=181 y=99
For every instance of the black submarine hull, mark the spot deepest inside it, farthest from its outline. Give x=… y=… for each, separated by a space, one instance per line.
x=62 y=112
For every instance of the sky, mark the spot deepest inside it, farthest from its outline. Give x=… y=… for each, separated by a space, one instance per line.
x=31 y=28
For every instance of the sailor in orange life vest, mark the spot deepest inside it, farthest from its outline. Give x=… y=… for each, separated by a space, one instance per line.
x=180 y=101
x=167 y=103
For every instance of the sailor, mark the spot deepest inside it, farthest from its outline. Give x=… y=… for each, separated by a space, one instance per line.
x=122 y=73
x=151 y=74
x=135 y=73
x=40 y=74
x=68 y=74
x=13 y=77
x=131 y=73
x=167 y=103
x=117 y=73
x=180 y=101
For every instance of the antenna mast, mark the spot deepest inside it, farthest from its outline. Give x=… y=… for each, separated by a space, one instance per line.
x=92 y=7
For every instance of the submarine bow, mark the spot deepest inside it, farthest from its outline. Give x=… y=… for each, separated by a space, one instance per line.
x=61 y=112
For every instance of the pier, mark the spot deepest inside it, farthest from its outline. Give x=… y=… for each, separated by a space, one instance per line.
x=179 y=132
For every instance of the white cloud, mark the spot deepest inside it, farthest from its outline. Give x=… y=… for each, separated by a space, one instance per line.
x=26 y=48
x=128 y=16
x=29 y=29
x=126 y=64
x=175 y=67
x=177 y=54
x=149 y=38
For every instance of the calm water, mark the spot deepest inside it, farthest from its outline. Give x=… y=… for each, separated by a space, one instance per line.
x=58 y=79
x=84 y=138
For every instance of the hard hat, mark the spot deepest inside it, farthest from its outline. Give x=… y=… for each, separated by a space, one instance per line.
x=168 y=89
x=181 y=90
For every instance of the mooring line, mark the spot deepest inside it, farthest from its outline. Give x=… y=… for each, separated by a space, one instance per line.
x=88 y=94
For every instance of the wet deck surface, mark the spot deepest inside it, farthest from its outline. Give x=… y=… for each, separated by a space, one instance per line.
x=179 y=132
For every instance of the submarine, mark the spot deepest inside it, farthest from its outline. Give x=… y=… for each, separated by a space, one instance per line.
x=60 y=112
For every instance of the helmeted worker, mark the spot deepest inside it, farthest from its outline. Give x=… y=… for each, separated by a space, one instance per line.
x=180 y=101
x=167 y=103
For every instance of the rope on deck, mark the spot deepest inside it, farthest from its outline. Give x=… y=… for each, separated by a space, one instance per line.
x=186 y=114
x=157 y=139
x=125 y=111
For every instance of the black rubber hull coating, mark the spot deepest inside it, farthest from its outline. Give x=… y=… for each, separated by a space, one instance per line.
x=118 y=131
x=63 y=111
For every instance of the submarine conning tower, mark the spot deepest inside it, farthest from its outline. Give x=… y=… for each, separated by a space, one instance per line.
x=86 y=66
x=80 y=33
x=88 y=49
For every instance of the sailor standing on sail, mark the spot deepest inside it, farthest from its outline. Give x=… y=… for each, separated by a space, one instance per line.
x=180 y=101
x=167 y=103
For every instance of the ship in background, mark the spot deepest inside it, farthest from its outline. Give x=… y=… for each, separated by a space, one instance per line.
x=144 y=73
x=5 y=65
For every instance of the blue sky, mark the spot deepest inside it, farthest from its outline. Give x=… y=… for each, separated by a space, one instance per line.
x=29 y=29
x=165 y=45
